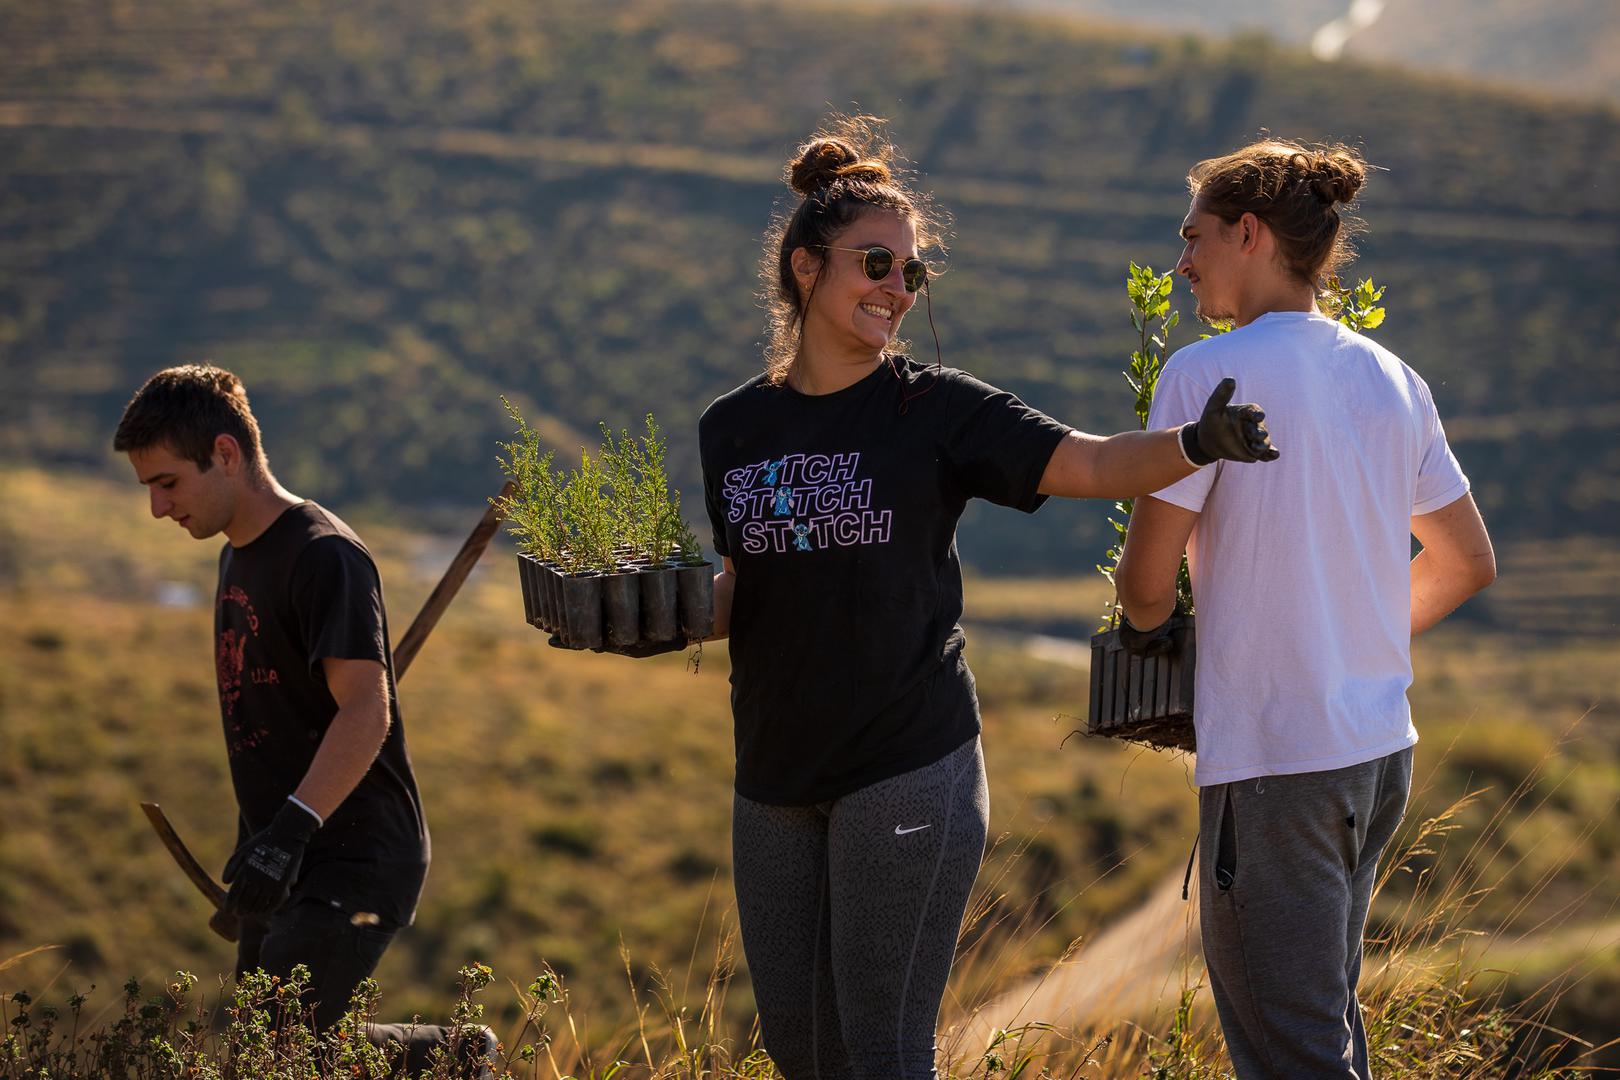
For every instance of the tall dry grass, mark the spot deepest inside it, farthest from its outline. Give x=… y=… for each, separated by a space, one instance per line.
x=1435 y=996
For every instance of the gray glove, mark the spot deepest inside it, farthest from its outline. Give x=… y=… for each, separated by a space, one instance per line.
x=1154 y=642
x=1227 y=432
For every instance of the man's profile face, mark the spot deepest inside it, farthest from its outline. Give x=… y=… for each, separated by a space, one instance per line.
x=1210 y=263
x=201 y=502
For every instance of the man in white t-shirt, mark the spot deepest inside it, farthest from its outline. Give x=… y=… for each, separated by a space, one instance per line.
x=1307 y=601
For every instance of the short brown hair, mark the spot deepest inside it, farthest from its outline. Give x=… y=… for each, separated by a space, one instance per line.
x=845 y=170
x=1296 y=190
x=186 y=408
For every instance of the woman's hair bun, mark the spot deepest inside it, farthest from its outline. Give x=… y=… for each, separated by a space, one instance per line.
x=827 y=159
x=1336 y=175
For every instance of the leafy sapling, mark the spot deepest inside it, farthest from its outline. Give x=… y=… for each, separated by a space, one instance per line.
x=1153 y=319
x=588 y=517
x=618 y=458
x=533 y=512
x=1356 y=308
x=686 y=541
x=652 y=499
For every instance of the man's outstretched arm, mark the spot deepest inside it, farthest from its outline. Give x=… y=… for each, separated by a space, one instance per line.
x=1456 y=561
x=1135 y=462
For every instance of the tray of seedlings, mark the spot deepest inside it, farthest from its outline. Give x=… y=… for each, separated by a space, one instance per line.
x=605 y=560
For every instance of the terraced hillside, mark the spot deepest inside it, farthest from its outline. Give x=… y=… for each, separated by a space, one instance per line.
x=386 y=215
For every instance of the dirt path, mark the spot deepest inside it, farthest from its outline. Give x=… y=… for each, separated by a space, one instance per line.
x=1129 y=972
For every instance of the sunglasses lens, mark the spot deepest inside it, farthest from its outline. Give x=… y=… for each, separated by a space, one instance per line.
x=914 y=273
x=877 y=263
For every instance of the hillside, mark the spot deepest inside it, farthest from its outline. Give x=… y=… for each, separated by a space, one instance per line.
x=386 y=215
x=1565 y=47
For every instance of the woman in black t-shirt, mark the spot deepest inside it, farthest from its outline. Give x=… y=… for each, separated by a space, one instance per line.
x=834 y=481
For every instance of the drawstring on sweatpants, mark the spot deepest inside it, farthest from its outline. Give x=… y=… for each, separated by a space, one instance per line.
x=1187 y=877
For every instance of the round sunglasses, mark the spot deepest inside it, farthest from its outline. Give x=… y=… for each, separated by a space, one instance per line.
x=877 y=261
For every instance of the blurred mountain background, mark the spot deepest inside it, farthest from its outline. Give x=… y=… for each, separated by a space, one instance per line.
x=1569 y=48
x=385 y=216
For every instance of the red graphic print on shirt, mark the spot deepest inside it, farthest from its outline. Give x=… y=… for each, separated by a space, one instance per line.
x=230 y=660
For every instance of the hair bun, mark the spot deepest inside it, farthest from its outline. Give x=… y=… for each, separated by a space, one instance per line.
x=826 y=160
x=1336 y=176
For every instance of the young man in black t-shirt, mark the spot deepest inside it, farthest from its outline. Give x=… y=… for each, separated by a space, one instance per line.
x=332 y=845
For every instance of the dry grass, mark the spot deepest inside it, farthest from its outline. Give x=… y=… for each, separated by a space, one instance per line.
x=581 y=813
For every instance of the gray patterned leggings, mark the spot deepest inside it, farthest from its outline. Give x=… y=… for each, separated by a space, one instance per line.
x=849 y=913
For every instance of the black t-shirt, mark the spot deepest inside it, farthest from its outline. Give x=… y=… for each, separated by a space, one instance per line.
x=839 y=512
x=303 y=591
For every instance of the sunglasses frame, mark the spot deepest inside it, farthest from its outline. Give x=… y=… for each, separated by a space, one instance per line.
x=866 y=254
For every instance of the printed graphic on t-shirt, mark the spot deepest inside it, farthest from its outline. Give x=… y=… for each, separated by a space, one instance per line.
x=231 y=664
x=804 y=502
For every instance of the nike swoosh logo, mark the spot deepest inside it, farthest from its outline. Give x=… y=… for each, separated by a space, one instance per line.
x=898 y=831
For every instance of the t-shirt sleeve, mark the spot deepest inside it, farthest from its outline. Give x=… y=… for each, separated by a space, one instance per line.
x=1178 y=400
x=1440 y=479
x=997 y=446
x=712 y=498
x=337 y=598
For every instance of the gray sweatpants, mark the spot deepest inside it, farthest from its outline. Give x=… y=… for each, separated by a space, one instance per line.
x=849 y=913
x=1286 y=872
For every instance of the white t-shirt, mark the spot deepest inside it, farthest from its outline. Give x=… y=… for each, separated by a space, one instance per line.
x=1300 y=567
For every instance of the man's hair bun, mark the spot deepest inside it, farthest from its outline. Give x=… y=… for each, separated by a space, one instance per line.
x=1336 y=176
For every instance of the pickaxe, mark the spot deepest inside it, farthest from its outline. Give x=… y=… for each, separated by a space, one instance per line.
x=223 y=922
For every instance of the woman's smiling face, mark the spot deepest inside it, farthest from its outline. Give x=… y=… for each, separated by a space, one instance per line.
x=848 y=311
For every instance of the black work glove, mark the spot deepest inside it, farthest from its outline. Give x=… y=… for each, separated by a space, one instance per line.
x=1229 y=432
x=639 y=651
x=262 y=871
x=1154 y=642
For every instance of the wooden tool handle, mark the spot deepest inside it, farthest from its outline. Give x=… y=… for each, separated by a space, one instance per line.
x=225 y=924
x=445 y=591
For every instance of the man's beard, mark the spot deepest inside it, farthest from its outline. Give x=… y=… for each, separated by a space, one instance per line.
x=1210 y=316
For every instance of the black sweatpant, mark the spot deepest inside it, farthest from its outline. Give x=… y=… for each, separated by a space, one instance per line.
x=850 y=912
x=339 y=955
x=321 y=937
